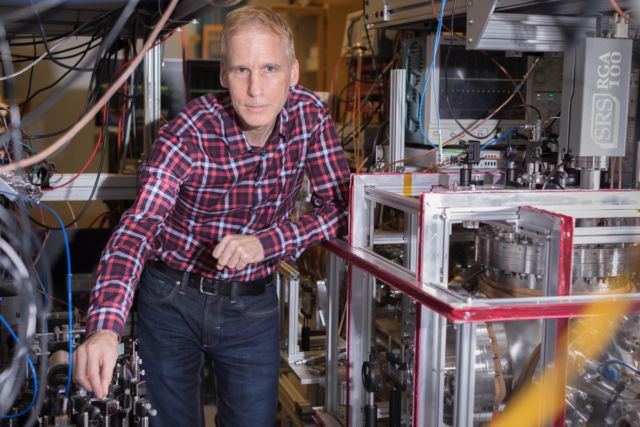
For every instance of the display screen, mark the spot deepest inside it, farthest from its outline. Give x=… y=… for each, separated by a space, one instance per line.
x=476 y=86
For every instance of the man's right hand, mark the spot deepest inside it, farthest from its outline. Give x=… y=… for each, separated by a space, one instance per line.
x=94 y=360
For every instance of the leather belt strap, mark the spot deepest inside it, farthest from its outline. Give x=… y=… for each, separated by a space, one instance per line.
x=215 y=287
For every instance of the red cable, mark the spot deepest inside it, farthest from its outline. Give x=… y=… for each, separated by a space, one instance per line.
x=93 y=155
x=104 y=115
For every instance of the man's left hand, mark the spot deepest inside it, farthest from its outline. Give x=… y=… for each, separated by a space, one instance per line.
x=237 y=251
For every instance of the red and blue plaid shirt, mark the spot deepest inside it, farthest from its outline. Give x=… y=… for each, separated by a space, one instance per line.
x=203 y=180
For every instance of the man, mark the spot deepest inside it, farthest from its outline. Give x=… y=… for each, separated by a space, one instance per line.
x=208 y=227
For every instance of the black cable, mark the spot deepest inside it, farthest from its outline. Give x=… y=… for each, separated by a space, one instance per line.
x=46 y=104
x=93 y=189
x=533 y=107
x=127 y=11
x=59 y=79
x=366 y=98
x=49 y=53
x=38 y=41
x=25 y=58
x=380 y=131
x=87 y=26
x=346 y=140
x=92 y=96
x=446 y=85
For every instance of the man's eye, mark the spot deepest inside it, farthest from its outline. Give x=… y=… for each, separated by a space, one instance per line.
x=270 y=69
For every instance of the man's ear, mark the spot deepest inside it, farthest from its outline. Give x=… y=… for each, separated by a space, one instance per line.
x=224 y=82
x=295 y=73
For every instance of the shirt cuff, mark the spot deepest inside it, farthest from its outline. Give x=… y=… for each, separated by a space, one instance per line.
x=94 y=324
x=273 y=244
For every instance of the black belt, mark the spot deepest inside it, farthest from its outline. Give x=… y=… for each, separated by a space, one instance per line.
x=215 y=287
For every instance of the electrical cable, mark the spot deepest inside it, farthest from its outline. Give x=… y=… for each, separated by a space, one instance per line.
x=48 y=50
x=532 y=107
x=33 y=373
x=92 y=94
x=347 y=139
x=64 y=140
x=59 y=79
x=457 y=137
x=16 y=273
x=621 y=363
x=500 y=138
x=117 y=27
x=30 y=66
x=69 y=277
x=105 y=137
x=364 y=100
x=427 y=74
x=18 y=58
x=14 y=113
x=87 y=163
x=379 y=133
x=446 y=86
x=106 y=43
x=40 y=110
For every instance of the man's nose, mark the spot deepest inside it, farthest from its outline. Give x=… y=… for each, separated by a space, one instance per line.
x=255 y=85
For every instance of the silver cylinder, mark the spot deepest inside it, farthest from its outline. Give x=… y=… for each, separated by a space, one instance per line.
x=590 y=179
x=591 y=162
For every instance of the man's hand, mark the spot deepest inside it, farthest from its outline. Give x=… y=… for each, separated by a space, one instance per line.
x=237 y=251
x=94 y=360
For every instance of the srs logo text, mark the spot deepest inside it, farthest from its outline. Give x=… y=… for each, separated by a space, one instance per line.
x=605 y=107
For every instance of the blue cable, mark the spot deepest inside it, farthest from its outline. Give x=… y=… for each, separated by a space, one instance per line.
x=33 y=372
x=69 y=278
x=423 y=90
x=621 y=363
x=500 y=138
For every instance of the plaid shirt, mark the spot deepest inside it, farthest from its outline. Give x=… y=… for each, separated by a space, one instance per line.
x=203 y=180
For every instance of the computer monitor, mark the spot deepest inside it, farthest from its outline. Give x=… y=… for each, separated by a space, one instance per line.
x=475 y=87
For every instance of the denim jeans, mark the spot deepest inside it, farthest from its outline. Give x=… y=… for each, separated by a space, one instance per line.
x=177 y=326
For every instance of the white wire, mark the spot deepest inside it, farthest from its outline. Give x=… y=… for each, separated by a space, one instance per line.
x=33 y=64
x=73 y=131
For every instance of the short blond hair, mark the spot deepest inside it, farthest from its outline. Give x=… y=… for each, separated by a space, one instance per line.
x=260 y=18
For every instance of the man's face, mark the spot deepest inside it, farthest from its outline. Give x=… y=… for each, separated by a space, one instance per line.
x=257 y=72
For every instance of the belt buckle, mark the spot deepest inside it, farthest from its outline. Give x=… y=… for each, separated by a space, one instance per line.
x=202 y=291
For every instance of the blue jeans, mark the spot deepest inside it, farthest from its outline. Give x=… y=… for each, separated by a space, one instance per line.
x=178 y=325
